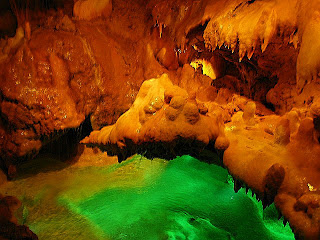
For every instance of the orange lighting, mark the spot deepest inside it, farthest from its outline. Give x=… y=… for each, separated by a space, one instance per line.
x=207 y=68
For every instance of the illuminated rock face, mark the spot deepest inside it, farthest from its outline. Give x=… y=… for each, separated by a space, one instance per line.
x=164 y=120
x=266 y=51
x=280 y=163
x=89 y=9
x=247 y=28
x=36 y=95
x=54 y=81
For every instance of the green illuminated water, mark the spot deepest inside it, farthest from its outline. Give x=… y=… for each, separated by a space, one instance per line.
x=144 y=199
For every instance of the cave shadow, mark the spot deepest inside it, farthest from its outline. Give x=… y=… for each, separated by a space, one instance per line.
x=46 y=162
x=62 y=150
x=166 y=150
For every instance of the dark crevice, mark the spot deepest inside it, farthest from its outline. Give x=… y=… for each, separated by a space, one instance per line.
x=15 y=101
x=59 y=151
x=269 y=106
x=238 y=6
x=241 y=4
x=198 y=30
x=63 y=144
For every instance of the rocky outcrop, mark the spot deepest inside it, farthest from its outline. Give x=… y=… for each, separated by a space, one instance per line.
x=164 y=121
x=69 y=70
x=66 y=72
x=9 y=227
x=277 y=157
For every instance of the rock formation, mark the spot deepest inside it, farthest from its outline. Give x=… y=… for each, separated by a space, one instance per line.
x=164 y=121
x=9 y=227
x=63 y=74
x=258 y=103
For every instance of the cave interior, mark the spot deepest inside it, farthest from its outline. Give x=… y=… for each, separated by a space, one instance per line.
x=156 y=119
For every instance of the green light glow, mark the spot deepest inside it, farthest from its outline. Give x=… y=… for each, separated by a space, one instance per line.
x=188 y=200
x=144 y=199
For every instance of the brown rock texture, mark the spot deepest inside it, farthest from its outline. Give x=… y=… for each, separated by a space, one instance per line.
x=9 y=227
x=88 y=9
x=261 y=54
x=67 y=71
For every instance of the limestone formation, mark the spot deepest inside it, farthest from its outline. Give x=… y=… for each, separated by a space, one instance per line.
x=258 y=105
x=89 y=9
x=164 y=121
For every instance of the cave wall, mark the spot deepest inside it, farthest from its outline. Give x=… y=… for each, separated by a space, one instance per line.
x=238 y=75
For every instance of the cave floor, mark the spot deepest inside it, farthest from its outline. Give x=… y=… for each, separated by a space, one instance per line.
x=97 y=198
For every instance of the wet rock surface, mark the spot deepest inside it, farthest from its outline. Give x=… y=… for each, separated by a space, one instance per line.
x=58 y=72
